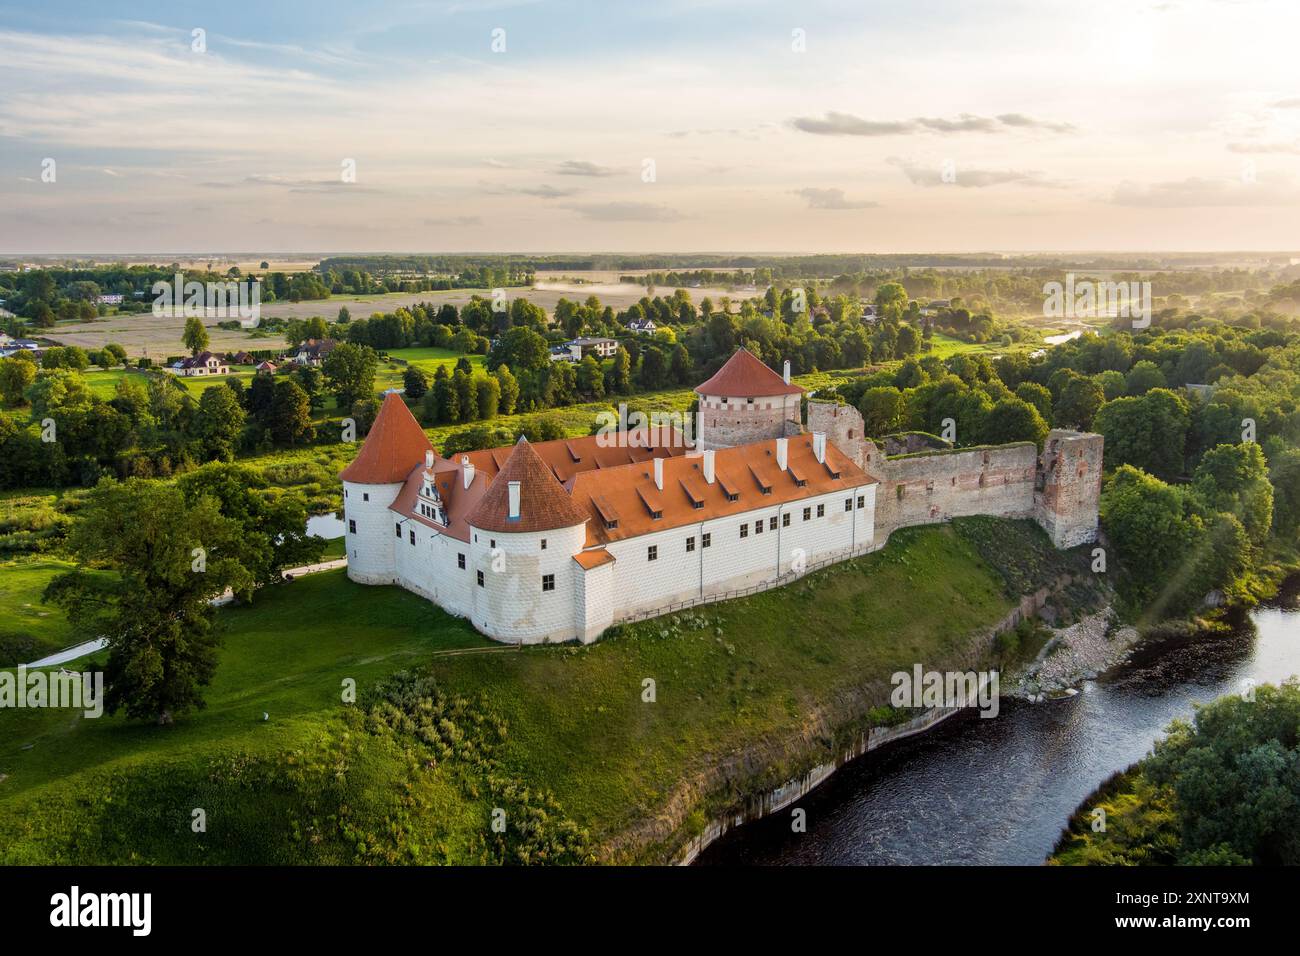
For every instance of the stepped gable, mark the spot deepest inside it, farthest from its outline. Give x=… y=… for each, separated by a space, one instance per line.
x=396 y=444
x=544 y=505
x=745 y=376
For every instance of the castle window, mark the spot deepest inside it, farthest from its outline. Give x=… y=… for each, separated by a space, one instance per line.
x=807 y=513
x=345 y=492
x=492 y=543
x=543 y=544
x=412 y=536
x=733 y=497
x=771 y=523
x=785 y=520
x=848 y=504
x=744 y=531
x=352 y=526
x=611 y=525
x=749 y=401
x=397 y=530
x=365 y=496
x=480 y=578
x=548 y=582
x=862 y=501
x=460 y=561
x=652 y=553
x=821 y=511
x=690 y=543
x=758 y=526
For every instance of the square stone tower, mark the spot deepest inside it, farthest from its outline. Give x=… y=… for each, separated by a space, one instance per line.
x=1067 y=487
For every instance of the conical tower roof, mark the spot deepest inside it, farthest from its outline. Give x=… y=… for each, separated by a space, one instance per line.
x=745 y=376
x=544 y=505
x=395 y=445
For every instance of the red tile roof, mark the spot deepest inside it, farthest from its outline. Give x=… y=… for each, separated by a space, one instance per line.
x=544 y=505
x=395 y=445
x=744 y=376
x=593 y=559
x=627 y=497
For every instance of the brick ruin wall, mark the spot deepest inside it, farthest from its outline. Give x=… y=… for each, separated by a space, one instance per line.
x=1059 y=489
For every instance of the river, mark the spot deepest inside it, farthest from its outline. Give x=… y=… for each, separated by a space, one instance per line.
x=999 y=791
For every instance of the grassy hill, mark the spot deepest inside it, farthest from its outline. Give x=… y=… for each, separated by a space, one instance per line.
x=557 y=737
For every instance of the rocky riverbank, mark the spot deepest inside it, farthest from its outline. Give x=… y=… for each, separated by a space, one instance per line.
x=1074 y=654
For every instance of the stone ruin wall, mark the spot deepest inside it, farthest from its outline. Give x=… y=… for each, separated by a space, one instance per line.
x=1061 y=491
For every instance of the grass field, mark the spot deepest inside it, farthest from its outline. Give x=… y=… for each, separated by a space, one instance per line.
x=28 y=628
x=745 y=674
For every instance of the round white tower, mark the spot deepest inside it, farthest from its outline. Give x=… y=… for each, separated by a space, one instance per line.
x=395 y=447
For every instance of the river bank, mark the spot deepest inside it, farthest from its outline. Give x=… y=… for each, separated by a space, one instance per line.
x=997 y=792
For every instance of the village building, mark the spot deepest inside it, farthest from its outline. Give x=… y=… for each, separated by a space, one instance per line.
x=559 y=540
x=314 y=352
x=205 y=363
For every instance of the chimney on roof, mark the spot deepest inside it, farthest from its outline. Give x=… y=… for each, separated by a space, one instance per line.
x=708 y=466
x=819 y=447
x=428 y=458
x=782 y=446
x=659 y=473
x=467 y=470
x=513 y=488
x=786 y=374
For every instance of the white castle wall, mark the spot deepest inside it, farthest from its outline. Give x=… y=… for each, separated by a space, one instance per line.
x=370 y=551
x=732 y=562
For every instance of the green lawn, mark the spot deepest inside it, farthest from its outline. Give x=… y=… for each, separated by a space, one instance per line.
x=745 y=674
x=28 y=628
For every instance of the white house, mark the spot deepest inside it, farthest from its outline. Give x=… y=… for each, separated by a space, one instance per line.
x=205 y=363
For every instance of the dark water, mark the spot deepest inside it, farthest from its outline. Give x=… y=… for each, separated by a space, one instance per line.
x=988 y=791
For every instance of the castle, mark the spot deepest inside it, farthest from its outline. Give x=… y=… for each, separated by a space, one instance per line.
x=558 y=540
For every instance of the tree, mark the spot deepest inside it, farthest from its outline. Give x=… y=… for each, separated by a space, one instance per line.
x=446 y=398
x=1143 y=377
x=590 y=378
x=415 y=382
x=1147 y=432
x=169 y=557
x=1013 y=419
x=350 y=372
x=488 y=393
x=882 y=411
x=288 y=418
x=1284 y=475
x=509 y=389
x=521 y=348
x=15 y=376
x=218 y=423
x=1038 y=396
x=272 y=524
x=466 y=397
x=344 y=316
x=195 y=336
x=1234 y=478
x=1080 y=399
x=620 y=380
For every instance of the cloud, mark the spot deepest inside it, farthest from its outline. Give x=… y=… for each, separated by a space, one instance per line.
x=454 y=221
x=625 y=212
x=846 y=124
x=1021 y=121
x=307 y=185
x=833 y=199
x=545 y=192
x=578 y=167
x=1290 y=103
x=1198 y=191
x=1276 y=147
x=921 y=174
x=497 y=164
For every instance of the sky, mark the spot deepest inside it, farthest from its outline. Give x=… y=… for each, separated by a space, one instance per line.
x=657 y=125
